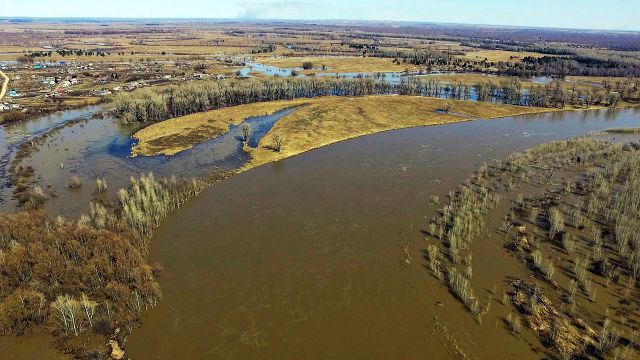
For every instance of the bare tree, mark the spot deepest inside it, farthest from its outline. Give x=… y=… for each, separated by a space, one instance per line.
x=89 y=307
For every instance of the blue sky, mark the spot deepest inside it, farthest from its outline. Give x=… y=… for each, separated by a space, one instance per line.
x=591 y=14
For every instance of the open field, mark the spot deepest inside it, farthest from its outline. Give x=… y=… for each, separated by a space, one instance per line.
x=174 y=135
x=330 y=120
x=339 y=64
x=499 y=55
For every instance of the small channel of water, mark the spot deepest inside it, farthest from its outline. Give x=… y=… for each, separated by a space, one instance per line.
x=90 y=147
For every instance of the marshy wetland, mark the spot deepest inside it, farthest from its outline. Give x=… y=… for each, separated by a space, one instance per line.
x=263 y=191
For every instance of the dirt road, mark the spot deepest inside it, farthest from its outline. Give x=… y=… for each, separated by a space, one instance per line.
x=5 y=85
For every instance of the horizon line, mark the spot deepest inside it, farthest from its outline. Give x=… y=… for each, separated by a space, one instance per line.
x=256 y=20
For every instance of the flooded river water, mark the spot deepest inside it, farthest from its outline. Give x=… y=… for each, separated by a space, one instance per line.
x=79 y=144
x=305 y=259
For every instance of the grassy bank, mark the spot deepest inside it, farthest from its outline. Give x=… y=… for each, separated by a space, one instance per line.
x=329 y=120
x=172 y=136
x=320 y=122
x=627 y=131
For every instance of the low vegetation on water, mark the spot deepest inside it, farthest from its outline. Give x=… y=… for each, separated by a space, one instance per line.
x=574 y=232
x=74 y=183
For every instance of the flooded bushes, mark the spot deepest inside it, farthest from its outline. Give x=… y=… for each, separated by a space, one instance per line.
x=68 y=277
x=596 y=215
x=246 y=132
x=545 y=266
x=29 y=197
x=89 y=277
x=434 y=261
x=460 y=221
x=456 y=225
x=575 y=232
x=148 y=201
x=571 y=337
x=276 y=145
x=143 y=205
x=101 y=186
x=556 y=222
x=513 y=320
x=462 y=288
x=74 y=183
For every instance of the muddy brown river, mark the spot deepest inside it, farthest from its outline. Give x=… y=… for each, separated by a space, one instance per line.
x=305 y=258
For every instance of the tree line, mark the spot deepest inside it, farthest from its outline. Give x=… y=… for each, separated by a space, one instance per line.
x=431 y=59
x=64 y=52
x=148 y=106
x=152 y=105
x=574 y=65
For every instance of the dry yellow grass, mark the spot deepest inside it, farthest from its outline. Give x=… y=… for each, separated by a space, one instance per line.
x=499 y=55
x=321 y=121
x=465 y=78
x=172 y=136
x=329 y=120
x=571 y=82
x=338 y=64
x=599 y=80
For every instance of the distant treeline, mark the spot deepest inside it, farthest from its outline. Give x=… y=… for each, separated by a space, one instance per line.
x=555 y=95
x=429 y=58
x=147 y=106
x=63 y=53
x=264 y=49
x=519 y=47
x=574 y=65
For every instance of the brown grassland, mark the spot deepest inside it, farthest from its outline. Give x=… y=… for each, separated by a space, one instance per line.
x=339 y=64
x=172 y=136
x=499 y=55
x=321 y=121
x=330 y=120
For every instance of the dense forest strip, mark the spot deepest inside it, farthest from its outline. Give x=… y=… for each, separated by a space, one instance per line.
x=148 y=106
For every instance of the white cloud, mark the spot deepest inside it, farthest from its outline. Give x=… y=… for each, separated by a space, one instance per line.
x=276 y=9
